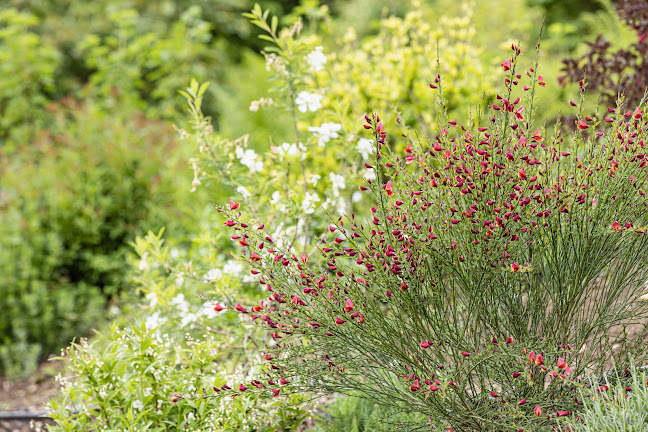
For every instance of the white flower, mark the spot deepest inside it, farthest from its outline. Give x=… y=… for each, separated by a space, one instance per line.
x=148 y=391
x=276 y=201
x=308 y=101
x=308 y=205
x=180 y=302
x=243 y=191
x=138 y=405
x=302 y=148
x=325 y=132
x=233 y=268
x=248 y=158
x=370 y=174
x=152 y=298
x=316 y=59
x=356 y=196
x=288 y=150
x=337 y=183
x=187 y=319
x=313 y=179
x=174 y=253
x=179 y=279
x=213 y=274
x=365 y=147
x=154 y=321
x=276 y=198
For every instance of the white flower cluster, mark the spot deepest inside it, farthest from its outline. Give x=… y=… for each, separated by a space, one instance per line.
x=325 y=132
x=365 y=147
x=314 y=179
x=291 y=150
x=308 y=101
x=308 y=204
x=243 y=191
x=337 y=183
x=249 y=158
x=316 y=59
x=213 y=274
x=233 y=268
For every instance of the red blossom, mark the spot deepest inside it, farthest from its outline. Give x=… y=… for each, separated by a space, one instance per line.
x=562 y=364
x=241 y=308
x=388 y=188
x=349 y=306
x=414 y=387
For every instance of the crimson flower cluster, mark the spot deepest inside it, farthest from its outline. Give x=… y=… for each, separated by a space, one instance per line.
x=492 y=230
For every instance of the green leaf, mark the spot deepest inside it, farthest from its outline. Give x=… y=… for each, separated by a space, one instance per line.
x=274 y=23
x=203 y=88
x=266 y=38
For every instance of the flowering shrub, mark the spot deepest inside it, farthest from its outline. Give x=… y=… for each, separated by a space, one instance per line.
x=132 y=383
x=493 y=252
x=161 y=372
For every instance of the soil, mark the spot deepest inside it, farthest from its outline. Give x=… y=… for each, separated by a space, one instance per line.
x=30 y=394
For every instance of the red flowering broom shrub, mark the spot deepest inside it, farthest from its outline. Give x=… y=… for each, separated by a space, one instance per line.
x=499 y=267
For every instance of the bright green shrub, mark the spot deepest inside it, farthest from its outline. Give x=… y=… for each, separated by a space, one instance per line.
x=132 y=383
x=27 y=70
x=147 y=67
x=71 y=202
x=132 y=378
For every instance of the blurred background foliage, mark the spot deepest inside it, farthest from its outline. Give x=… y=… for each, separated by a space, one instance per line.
x=88 y=91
